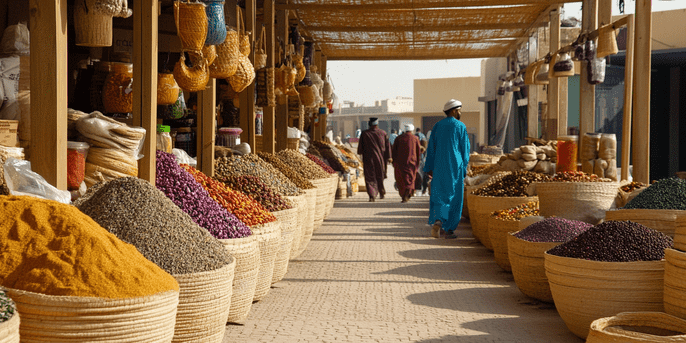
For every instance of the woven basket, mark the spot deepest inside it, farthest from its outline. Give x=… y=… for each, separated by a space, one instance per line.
x=342 y=189
x=9 y=330
x=323 y=192
x=584 y=201
x=300 y=204
x=498 y=230
x=46 y=318
x=471 y=210
x=484 y=206
x=167 y=89
x=680 y=233
x=607 y=41
x=91 y=29
x=209 y=52
x=334 y=182
x=465 y=204
x=244 y=76
x=586 y=290
x=638 y=327
x=243 y=36
x=307 y=96
x=247 y=254
x=191 y=24
x=675 y=283
x=261 y=51
x=308 y=225
x=269 y=240
x=664 y=221
x=289 y=222
x=526 y=260
x=216 y=26
x=204 y=302
x=191 y=79
x=292 y=143
x=226 y=63
x=264 y=87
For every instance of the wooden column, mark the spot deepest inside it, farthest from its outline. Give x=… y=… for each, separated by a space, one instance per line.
x=317 y=130
x=268 y=137
x=554 y=83
x=206 y=124
x=48 y=149
x=642 y=65
x=674 y=100
x=587 y=98
x=604 y=12
x=281 y=112
x=628 y=98
x=323 y=119
x=532 y=107
x=145 y=82
x=247 y=97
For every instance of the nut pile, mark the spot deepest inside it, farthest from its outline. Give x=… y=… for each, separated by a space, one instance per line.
x=518 y=212
x=250 y=164
x=139 y=214
x=314 y=151
x=7 y=307
x=297 y=161
x=553 y=229
x=665 y=194
x=632 y=186
x=256 y=189
x=482 y=169
x=188 y=194
x=289 y=172
x=511 y=185
x=576 y=176
x=616 y=241
x=331 y=156
x=321 y=163
x=246 y=209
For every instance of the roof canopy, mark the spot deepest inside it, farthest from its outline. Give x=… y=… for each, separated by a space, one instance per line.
x=419 y=29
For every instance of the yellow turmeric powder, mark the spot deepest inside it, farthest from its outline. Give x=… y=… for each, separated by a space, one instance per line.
x=52 y=248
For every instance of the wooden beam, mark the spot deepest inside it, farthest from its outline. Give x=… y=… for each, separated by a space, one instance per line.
x=642 y=73
x=439 y=43
x=206 y=127
x=628 y=97
x=541 y=21
x=281 y=112
x=554 y=83
x=247 y=97
x=409 y=5
x=268 y=137
x=587 y=98
x=145 y=82
x=425 y=28
x=48 y=149
x=604 y=12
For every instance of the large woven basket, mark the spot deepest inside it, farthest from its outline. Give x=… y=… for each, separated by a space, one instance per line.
x=247 y=254
x=675 y=283
x=527 y=263
x=300 y=203
x=204 y=302
x=244 y=75
x=9 y=330
x=226 y=63
x=46 y=318
x=484 y=206
x=323 y=192
x=471 y=210
x=585 y=290
x=680 y=233
x=289 y=221
x=308 y=225
x=660 y=220
x=498 y=230
x=638 y=327
x=584 y=201
x=465 y=201
x=91 y=28
x=191 y=24
x=191 y=79
x=216 y=26
x=334 y=179
x=268 y=238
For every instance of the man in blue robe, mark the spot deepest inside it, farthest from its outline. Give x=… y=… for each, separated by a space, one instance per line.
x=446 y=160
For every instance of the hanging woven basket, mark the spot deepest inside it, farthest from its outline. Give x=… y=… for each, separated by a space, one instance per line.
x=91 y=28
x=191 y=79
x=607 y=41
x=216 y=26
x=191 y=24
x=244 y=76
x=226 y=63
x=261 y=51
x=167 y=89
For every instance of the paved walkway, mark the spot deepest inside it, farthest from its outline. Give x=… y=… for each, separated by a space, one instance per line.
x=372 y=273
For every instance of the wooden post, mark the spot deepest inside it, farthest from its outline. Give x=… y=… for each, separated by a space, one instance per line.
x=247 y=97
x=206 y=124
x=282 y=109
x=628 y=97
x=268 y=139
x=145 y=82
x=554 y=83
x=604 y=12
x=532 y=107
x=323 y=119
x=642 y=65
x=317 y=131
x=48 y=149
x=587 y=98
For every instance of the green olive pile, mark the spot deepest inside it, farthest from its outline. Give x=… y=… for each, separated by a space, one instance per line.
x=511 y=185
x=289 y=172
x=665 y=194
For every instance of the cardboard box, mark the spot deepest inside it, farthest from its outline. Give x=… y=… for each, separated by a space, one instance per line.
x=8 y=132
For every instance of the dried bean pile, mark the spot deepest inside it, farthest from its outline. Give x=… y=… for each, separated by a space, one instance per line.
x=511 y=185
x=518 y=212
x=252 y=165
x=139 y=214
x=246 y=209
x=616 y=241
x=553 y=229
x=577 y=176
x=7 y=307
x=665 y=194
x=331 y=155
x=188 y=194
x=321 y=163
x=289 y=172
x=302 y=164
x=634 y=185
x=253 y=187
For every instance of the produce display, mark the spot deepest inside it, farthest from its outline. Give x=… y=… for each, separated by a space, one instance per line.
x=511 y=185
x=246 y=209
x=302 y=164
x=482 y=169
x=139 y=214
x=632 y=186
x=553 y=229
x=576 y=176
x=665 y=194
x=599 y=154
x=7 y=307
x=253 y=187
x=192 y=198
x=295 y=177
x=616 y=241
x=314 y=151
x=321 y=163
x=518 y=212
x=250 y=164
x=534 y=158
x=70 y=254
x=328 y=153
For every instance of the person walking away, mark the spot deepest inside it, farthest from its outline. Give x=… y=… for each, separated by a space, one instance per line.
x=392 y=137
x=422 y=162
x=376 y=152
x=446 y=161
x=420 y=135
x=406 y=156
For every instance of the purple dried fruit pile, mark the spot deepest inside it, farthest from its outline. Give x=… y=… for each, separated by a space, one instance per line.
x=553 y=229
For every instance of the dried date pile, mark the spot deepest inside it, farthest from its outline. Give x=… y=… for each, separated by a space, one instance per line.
x=295 y=177
x=518 y=212
x=616 y=241
x=139 y=214
x=297 y=161
x=252 y=165
x=665 y=194
x=321 y=163
x=511 y=185
x=253 y=187
x=553 y=229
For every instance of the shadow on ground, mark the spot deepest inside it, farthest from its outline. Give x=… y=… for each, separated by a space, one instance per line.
x=449 y=271
x=504 y=329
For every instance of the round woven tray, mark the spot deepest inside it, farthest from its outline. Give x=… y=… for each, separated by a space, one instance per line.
x=289 y=221
x=9 y=330
x=268 y=238
x=308 y=225
x=584 y=201
x=527 y=263
x=638 y=327
x=247 y=254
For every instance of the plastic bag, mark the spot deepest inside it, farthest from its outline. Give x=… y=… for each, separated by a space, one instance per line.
x=596 y=71
x=21 y=180
x=182 y=157
x=106 y=132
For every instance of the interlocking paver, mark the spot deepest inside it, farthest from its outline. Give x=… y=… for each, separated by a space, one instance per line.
x=372 y=274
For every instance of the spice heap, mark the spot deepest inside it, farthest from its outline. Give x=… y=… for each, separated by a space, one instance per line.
x=256 y=189
x=302 y=164
x=250 y=164
x=7 y=307
x=321 y=163
x=553 y=229
x=246 y=209
x=576 y=176
x=511 y=185
x=189 y=195
x=331 y=155
x=632 y=186
x=289 y=172
x=665 y=194
x=70 y=254
x=483 y=169
x=314 y=151
x=616 y=241
x=518 y=212
x=139 y=214
x=351 y=159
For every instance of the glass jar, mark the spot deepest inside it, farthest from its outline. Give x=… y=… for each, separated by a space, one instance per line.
x=567 y=148
x=117 y=92
x=100 y=72
x=229 y=136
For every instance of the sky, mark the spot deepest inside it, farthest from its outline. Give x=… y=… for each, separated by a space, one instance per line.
x=364 y=82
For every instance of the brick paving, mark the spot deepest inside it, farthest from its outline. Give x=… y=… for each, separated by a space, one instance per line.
x=372 y=273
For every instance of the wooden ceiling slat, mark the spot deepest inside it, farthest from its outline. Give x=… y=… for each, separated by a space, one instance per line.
x=344 y=5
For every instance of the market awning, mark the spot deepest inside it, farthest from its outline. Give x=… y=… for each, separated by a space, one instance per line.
x=418 y=29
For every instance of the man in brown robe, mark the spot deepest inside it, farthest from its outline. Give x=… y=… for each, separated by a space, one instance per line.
x=376 y=152
x=406 y=155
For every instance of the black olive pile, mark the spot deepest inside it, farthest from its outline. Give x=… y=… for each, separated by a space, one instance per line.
x=553 y=229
